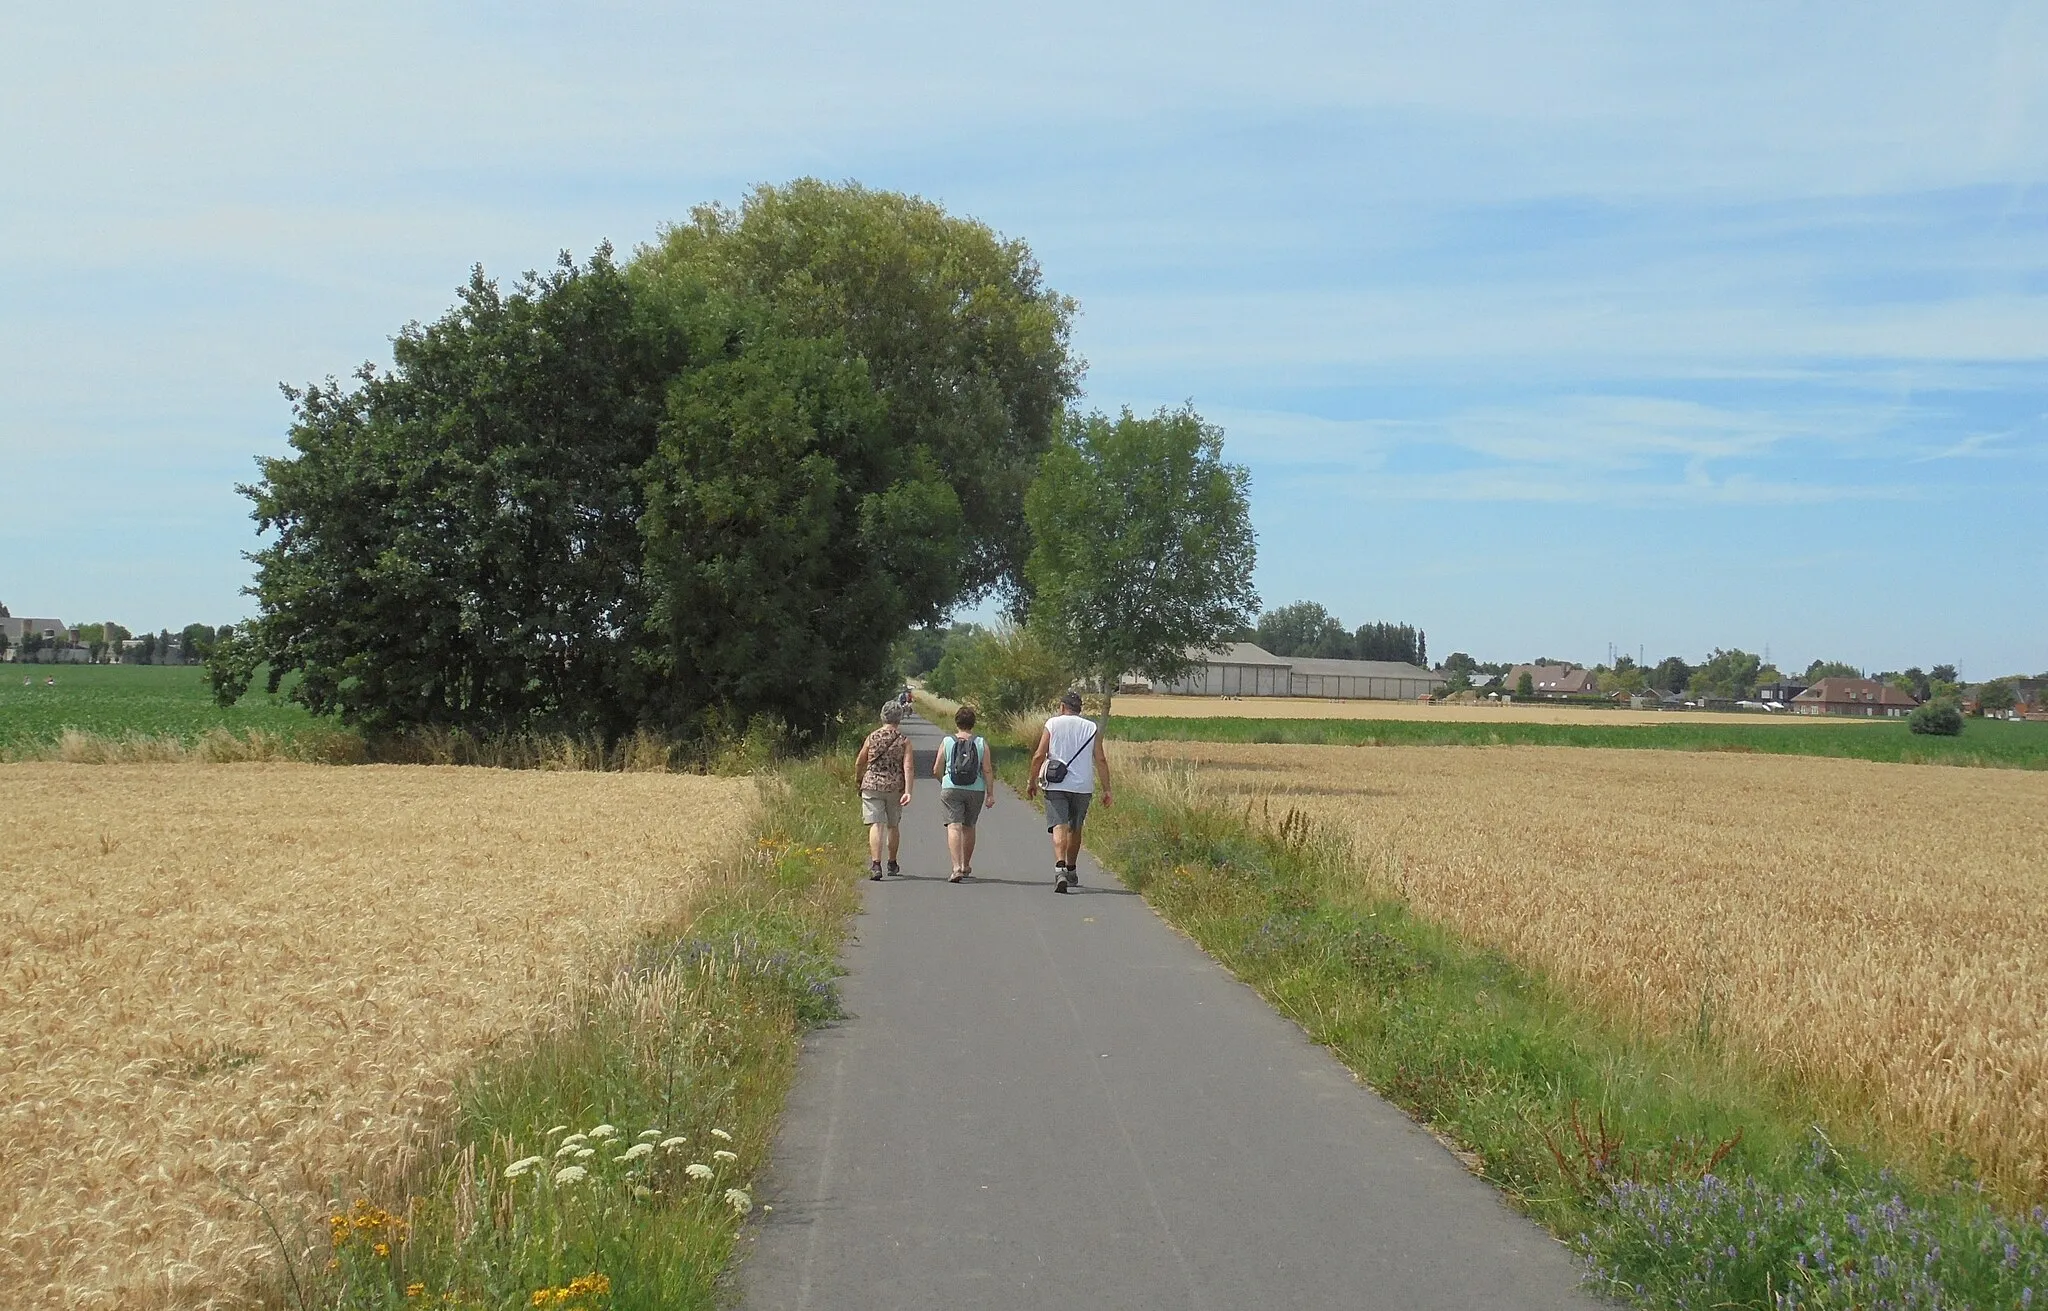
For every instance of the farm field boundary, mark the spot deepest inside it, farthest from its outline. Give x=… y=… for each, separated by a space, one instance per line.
x=609 y=1164
x=1684 y=1173
x=1994 y=744
x=169 y=707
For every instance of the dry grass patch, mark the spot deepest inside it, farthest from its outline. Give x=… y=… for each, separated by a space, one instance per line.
x=269 y=976
x=1490 y=712
x=1882 y=926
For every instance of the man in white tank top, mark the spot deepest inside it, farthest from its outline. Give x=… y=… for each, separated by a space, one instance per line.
x=1066 y=764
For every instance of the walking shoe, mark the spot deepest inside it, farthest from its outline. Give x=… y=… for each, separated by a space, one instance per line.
x=875 y=869
x=895 y=868
x=1074 y=875
x=1059 y=880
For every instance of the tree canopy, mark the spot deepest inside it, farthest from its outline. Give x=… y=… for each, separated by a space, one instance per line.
x=1142 y=544
x=716 y=483
x=1305 y=628
x=966 y=348
x=1729 y=674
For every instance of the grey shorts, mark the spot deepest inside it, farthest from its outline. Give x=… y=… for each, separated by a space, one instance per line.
x=884 y=808
x=1066 y=809
x=963 y=805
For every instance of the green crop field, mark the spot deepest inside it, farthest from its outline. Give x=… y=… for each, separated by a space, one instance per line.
x=1984 y=742
x=124 y=701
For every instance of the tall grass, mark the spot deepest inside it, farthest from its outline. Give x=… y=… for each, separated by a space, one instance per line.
x=758 y=746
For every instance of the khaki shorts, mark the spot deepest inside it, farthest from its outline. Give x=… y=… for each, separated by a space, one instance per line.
x=963 y=805
x=1066 y=809
x=884 y=808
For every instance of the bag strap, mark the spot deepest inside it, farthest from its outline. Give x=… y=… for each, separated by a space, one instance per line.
x=1087 y=742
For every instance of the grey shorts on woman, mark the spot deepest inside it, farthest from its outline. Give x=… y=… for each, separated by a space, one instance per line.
x=963 y=805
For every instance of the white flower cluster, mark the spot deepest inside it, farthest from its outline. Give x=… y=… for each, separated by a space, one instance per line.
x=577 y=1155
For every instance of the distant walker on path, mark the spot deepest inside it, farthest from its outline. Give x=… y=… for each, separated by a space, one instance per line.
x=962 y=767
x=1066 y=763
x=884 y=767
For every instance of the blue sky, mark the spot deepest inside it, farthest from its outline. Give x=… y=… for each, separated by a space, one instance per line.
x=1544 y=328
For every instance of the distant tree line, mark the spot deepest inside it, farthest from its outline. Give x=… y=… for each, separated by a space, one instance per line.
x=112 y=643
x=1305 y=628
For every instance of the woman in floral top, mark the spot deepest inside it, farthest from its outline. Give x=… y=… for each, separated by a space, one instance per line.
x=884 y=768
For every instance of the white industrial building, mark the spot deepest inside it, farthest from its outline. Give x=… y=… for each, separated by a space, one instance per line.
x=1243 y=669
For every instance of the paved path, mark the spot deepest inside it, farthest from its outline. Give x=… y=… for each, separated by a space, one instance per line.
x=1059 y=1102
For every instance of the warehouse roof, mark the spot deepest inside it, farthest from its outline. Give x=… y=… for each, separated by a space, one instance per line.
x=1239 y=653
x=1360 y=668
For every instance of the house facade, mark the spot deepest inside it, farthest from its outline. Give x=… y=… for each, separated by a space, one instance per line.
x=1854 y=696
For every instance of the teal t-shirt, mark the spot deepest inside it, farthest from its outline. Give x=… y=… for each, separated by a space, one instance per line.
x=953 y=745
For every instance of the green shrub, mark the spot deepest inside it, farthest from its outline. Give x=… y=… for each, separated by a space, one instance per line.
x=1938 y=718
x=1005 y=672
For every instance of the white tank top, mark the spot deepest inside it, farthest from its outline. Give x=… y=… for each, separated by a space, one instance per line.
x=1073 y=742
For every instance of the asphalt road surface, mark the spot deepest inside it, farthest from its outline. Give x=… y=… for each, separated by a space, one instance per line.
x=1043 y=1101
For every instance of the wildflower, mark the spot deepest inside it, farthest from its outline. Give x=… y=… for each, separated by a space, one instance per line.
x=671 y=1144
x=722 y=1155
x=641 y=1192
x=638 y=1151
x=649 y=1135
x=697 y=1170
x=737 y=1199
x=720 y=1133
x=571 y=1174
x=415 y=1290
x=560 y=1128
x=521 y=1166
x=585 y=1153
x=567 y=1149
x=381 y=1249
x=580 y=1139
x=604 y=1131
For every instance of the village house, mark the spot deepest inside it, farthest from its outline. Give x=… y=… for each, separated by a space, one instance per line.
x=1553 y=680
x=1853 y=696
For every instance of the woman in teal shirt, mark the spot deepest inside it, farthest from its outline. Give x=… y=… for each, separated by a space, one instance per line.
x=962 y=765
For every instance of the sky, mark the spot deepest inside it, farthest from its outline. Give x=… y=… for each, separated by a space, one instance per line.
x=1553 y=330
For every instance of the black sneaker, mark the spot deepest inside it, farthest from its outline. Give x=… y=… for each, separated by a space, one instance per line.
x=895 y=868
x=1059 y=880
x=875 y=869
x=1074 y=875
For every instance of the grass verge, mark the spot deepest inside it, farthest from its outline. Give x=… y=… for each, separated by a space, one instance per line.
x=1986 y=743
x=1685 y=1175
x=605 y=1164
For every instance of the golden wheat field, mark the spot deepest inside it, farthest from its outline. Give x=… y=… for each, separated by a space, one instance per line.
x=1884 y=925
x=1484 y=712
x=266 y=978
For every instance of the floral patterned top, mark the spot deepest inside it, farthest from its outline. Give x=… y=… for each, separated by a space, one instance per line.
x=885 y=760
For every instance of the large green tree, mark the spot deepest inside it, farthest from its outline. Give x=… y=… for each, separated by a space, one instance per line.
x=613 y=498
x=789 y=538
x=457 y=539
x=966 y=347
x=1142 y=544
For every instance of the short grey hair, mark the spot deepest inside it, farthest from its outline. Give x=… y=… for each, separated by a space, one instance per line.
x=892 y=713
x=1071 y=699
